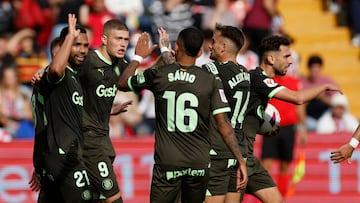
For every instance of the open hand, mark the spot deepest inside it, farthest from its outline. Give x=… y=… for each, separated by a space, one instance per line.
x=142 y=46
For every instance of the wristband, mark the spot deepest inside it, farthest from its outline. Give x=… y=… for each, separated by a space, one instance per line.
x=354 y=142
x=137 y=58
x=164 y=49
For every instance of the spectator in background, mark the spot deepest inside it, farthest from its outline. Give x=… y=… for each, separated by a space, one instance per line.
x=172 y=15
x=338 y=119
x=62 y=8
x=147 y=108
x=210 y=12
x=28 y=56
x=258 y=21
x=316 y=107
x=15 y=106
x=5 y=57
x=239 y=8
x=6 y=13
x=122 y=125
x=128 y=11
x=29 y=14
x=93 y=15
x=246 y=57
x=355 y=20
x=281 y=146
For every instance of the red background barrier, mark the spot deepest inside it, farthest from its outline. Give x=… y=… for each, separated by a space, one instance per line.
x=323 y=181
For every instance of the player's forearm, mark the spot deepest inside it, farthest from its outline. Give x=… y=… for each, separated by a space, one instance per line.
x=312 y=93
x=60 y=60
x=228 y=134
x=354 y=142
x=167 y=57
x=128 y=72
x=231 y=141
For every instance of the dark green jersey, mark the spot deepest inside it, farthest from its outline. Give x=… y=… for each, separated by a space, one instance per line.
x=57 y=111
x=236 y=81
x=185 y=99
x=99 y=78
x=262 y=89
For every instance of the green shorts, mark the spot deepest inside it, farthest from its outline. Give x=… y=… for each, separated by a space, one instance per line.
x=170 y=182
x=259 y=178
x=99 y=156
x=222 y=177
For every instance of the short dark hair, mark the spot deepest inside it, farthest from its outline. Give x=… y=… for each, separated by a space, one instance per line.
x=55 y=42
x=191 y=40
x=65 y=31
x=272 y=43
x=232 y=33
x=114 y=24
x=208 y=33
x=314 y=59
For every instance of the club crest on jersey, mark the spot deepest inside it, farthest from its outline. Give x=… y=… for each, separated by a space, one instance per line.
x=270 y=82
x=107 y=184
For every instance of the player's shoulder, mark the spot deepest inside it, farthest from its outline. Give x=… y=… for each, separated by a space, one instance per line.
x=212 y=67
x=205 y=71
x=123 y=62
x=91 y=54
x=94 y=58
x=256 y=71
x=258 y=74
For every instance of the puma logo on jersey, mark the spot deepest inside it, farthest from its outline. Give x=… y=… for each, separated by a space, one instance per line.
x=73 y=77
x=101 y=71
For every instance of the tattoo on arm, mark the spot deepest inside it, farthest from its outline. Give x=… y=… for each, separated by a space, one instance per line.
x=228 y=135
x=167 y=57
x=232 y=143
x=165 y=43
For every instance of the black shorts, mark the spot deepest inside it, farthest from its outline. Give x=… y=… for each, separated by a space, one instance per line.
x=222 y=179
x=168 y=182
x=280 y=146
x=99 y=156
x=259 y=178
x=70 y=184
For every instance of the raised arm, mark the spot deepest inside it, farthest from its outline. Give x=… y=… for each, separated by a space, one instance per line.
x=142 y=50
x=60 y=60
x=165 y=47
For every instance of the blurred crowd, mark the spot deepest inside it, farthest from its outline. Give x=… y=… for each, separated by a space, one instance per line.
x=348 y=15
x=28 y=26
